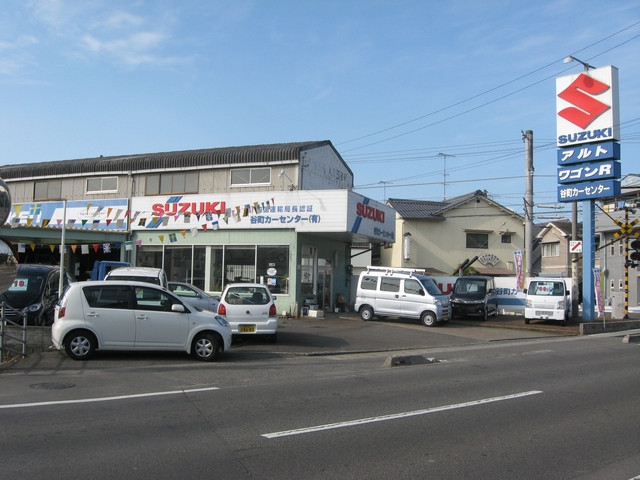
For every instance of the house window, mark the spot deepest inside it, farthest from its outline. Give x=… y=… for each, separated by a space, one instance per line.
x=251 y=176
x=613 y=249
x=621 y=249
x=551 y=249
x=613 y=284
x=102 y=184
x=621 y=285
x=48 y=190
x=477 y=240
x=505 y=238
x=167 y=183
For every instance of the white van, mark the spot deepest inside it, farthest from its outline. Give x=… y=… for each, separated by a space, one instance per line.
x=400 y=292
x=156 y=276
x=547 y=299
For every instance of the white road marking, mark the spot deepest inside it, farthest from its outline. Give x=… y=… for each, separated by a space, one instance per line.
x=107 y=399
x=395 y=416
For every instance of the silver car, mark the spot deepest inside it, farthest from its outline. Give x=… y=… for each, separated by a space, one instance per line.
x=122 y=315
x=194 y=296
x=250 y=309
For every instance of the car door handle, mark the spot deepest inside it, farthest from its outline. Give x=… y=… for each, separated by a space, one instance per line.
x=143 y=317
x=92 y=314
x=248 y=312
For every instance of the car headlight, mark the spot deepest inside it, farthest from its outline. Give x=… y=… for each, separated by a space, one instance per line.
x=222 y=321
x=437 y=301
x=32 y=308
x=561 y=305
x=529 y=304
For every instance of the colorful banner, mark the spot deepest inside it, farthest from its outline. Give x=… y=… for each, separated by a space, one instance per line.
x=517 y=256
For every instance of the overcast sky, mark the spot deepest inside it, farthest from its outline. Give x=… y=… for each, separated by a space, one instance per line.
x=405 y=90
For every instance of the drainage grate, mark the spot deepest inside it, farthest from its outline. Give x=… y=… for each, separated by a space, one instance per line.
x=52 y=386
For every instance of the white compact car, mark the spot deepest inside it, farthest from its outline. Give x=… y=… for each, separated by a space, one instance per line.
x=121 y=315
x=250 y=309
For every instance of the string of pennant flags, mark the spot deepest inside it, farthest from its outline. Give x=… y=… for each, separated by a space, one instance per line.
x=117 y=218
x=113 y=216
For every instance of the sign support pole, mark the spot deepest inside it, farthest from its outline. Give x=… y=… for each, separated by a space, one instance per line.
x=588 y=260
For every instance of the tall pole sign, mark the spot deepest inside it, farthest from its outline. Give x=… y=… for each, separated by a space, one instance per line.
x=588 y=130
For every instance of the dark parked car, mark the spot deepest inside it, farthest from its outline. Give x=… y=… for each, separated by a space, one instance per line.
x=474 y=296
x=34 y=292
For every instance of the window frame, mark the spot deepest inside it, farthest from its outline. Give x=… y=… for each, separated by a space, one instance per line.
x=102 y=181
x=473 y=240
x=249 y=173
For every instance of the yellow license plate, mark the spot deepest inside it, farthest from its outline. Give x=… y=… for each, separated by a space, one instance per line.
x=247 y=329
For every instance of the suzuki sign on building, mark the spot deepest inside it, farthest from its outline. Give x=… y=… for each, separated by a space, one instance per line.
x=587 y=107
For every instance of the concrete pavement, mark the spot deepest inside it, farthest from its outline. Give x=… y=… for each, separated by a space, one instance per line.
x=341 y=333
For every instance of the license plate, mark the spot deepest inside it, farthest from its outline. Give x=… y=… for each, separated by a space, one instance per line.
x=247 y=329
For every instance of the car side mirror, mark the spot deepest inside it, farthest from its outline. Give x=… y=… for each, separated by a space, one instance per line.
x=177 y=307
x=524 y=291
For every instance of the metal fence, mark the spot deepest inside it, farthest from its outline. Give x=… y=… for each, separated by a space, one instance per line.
x=13 y=335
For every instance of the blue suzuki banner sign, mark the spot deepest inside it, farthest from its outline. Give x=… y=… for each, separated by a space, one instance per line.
x=589 y=152
x=588 y=191
x=589 y=172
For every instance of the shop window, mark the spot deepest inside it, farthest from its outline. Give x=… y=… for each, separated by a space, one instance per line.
x=215 y=269
x=477 y=240
x=102 y=184
x=240 y=264
x=169 y=183
x=273 y=267
x=307 y=269
x=48 y=190
x=251 y=176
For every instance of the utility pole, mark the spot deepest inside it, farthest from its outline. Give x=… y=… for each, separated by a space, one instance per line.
x=444 y=174
x=527 y=137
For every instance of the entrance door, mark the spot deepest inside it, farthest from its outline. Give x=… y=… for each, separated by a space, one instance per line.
x=324 y=287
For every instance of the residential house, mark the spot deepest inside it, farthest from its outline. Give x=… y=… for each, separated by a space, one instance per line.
x=439 y=236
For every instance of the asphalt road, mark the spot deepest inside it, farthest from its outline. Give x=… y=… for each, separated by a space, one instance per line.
x=489 y=404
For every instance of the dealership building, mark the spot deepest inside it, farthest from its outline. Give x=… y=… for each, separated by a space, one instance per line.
x=284 y=215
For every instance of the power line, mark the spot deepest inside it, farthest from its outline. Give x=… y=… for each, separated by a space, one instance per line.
x=482 y=94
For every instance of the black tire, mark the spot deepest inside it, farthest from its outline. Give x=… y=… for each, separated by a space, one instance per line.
x=526 y=321
x=80 y=344
x=273 y=338
x=485 y=316
x=205 y=347
x=428 y=319
x=366 y=313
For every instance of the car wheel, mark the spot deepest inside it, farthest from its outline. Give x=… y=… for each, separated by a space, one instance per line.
x=485 y=316
x=526 y=321
x=80 y=344
x=273 y=338
x=428 y=319
x=366 y=313
x=564 y=320
x=205 y=347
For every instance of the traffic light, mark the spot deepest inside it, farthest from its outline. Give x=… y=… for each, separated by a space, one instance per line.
x=634 y=254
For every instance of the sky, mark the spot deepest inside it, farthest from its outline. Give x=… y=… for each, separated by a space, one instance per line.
x=423 y=99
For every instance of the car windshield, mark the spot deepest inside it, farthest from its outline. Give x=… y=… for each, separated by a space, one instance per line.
x=546 y=288
x=431 y=287
x=27 y=285
x=471 y=286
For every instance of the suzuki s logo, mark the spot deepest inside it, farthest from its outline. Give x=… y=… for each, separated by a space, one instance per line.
x=581 y=94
